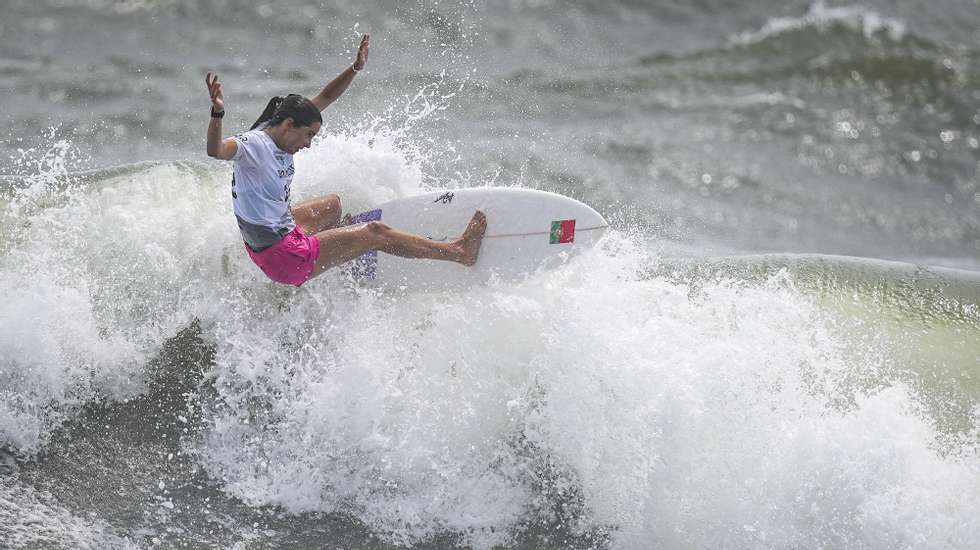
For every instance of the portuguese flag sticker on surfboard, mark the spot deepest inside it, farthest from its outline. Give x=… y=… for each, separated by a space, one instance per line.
x=562 y=231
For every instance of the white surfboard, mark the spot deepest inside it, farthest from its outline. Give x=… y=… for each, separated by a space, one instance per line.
x=526 y=230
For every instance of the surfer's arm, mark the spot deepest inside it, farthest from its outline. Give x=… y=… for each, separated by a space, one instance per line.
x=336 y=87
x=217 y=147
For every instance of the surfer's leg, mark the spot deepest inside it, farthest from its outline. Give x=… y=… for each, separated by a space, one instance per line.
x=319 y=214
x=463 y=250
x=342 y=245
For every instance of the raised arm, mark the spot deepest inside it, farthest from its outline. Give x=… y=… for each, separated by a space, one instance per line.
x=336 y=87
x=218 y=148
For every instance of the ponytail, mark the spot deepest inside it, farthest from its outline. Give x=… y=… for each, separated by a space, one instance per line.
x=294 y=106
x=270 y=109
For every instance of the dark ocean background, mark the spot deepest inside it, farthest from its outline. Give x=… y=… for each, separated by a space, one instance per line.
x=776 y=345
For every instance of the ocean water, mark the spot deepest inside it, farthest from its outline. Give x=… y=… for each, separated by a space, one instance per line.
x=776 y=345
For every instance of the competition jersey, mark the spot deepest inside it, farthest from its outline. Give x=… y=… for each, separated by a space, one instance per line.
x=260 y=189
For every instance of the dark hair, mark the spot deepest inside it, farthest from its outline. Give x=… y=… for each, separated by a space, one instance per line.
x=294 y=106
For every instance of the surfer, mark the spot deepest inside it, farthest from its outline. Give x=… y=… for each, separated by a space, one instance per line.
x=294 y=244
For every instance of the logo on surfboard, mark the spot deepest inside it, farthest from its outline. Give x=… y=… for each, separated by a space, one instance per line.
x=446 y=198
x=562 y=231
x=366 y=265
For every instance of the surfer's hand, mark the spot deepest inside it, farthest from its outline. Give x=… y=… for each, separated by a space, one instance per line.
x=362 y=52
x=214 y=88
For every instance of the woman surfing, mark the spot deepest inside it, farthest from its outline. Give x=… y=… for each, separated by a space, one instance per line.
x=292 y=244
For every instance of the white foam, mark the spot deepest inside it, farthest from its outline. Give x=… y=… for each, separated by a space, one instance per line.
x=97 y=277
x=100 y=270
x=820 y=17
x=364 y=169
x=33 y=519
x=682 y=416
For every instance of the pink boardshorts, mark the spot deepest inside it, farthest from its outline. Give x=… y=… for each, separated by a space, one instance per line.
x=289 y=261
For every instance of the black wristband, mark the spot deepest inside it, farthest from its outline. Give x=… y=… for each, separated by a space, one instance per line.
x=217 y=115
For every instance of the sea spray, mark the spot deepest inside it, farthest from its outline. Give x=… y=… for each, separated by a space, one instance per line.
x=587 y=407
x=30 y=518
x=101 y=267
x=660 y=411
x=594 y=399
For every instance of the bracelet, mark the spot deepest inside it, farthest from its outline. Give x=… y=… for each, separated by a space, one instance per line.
x=217 y=115
x=354 y=68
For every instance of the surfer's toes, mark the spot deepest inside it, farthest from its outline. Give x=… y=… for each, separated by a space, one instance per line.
x=478 y=224
x=473 y=237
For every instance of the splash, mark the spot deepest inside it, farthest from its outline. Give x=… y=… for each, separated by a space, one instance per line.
x=40 y=171
x=102 y=267
x=590 y=399
x=594 y=399
x=29 y=518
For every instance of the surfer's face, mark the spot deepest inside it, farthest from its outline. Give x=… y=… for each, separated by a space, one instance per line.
x=296 y=138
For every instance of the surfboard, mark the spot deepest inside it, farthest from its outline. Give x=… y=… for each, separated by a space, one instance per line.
x=527 y=230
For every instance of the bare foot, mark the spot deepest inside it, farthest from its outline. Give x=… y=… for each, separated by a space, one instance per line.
x=472 y=237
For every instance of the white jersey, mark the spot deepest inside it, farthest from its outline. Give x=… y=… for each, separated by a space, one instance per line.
x=260 y=189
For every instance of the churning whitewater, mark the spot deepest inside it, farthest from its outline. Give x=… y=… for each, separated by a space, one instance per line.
x=679 y=385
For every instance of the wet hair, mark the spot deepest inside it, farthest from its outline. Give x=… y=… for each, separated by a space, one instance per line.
x=294 y=106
